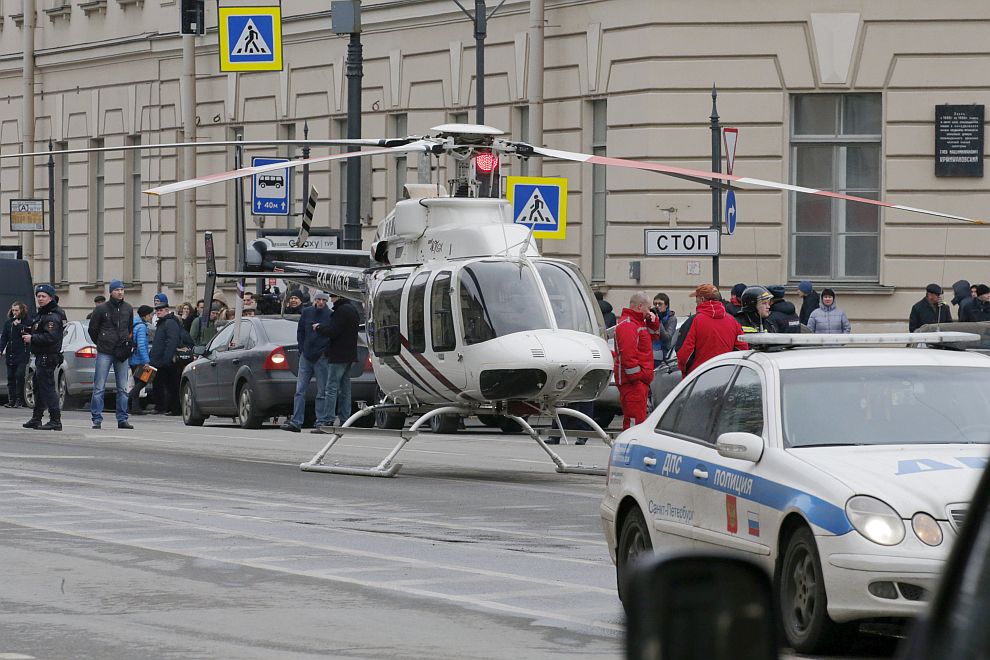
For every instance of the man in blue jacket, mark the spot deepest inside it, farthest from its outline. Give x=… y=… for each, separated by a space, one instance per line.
x=311 y=362
x=140 y=357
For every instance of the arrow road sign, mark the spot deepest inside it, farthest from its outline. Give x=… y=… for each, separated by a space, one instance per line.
x=730 y=211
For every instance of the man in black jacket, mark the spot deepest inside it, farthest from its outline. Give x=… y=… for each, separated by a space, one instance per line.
x=44 y=336
x=929 y=309
x=782 y=313
x=341 y=353
x=169 y=335
x=810 y=300
x=111 y=329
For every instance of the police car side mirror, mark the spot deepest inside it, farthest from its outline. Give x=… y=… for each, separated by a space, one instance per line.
x=711 y=606
x=744 y=446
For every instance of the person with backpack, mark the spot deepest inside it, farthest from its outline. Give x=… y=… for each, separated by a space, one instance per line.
x=170 y=337
x=110 y=328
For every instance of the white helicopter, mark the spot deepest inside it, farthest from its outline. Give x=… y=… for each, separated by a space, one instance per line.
x=465 y=317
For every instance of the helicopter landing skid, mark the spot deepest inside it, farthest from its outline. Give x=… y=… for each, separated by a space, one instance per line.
x=560 y=464
x=386 y=468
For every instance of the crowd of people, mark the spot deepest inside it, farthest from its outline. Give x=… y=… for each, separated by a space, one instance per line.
x=647 y=334
x=153 y=342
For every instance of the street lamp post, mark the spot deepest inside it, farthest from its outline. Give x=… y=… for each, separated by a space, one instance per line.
x=346 y=19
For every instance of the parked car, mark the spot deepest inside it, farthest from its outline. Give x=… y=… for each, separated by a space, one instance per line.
x=845 y=472
x=74 y=377
x=255 y=379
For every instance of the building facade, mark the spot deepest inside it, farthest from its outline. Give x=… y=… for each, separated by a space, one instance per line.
x=835 y=95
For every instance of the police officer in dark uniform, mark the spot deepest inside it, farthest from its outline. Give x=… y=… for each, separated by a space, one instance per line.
x=44 y=336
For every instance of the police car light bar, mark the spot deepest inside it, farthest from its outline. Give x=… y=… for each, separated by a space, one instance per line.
x=781 y=339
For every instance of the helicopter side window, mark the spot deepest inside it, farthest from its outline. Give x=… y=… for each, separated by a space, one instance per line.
x=442 y=314
x=570 y=309
x=385 y=313
x=499 y=298
x=414 y=313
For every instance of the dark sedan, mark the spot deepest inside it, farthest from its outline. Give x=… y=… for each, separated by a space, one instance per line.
x=254 y=379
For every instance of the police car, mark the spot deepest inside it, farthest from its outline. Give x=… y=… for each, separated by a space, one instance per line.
x=846 y=471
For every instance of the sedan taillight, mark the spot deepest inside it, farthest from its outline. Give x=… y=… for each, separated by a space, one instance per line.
x=277 y=360
x=86 y=352
x=367 y=364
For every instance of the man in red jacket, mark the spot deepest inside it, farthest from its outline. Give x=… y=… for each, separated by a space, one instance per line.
x=634 y=358
x=712 y=331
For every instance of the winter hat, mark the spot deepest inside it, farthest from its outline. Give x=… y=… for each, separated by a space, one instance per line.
x=706 y=292
x=828 y=292
x=161 y=300
x=45 y=288
x=321 y=295
x=738 y=289
x=144 y=310
x=982 y=289
x=115 y=284
x=805 y=287
x=934 y=288
x=776 y=290
x=295 y=293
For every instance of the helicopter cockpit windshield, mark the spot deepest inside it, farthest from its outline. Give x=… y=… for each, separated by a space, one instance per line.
x=569 y=306
x=499 y=298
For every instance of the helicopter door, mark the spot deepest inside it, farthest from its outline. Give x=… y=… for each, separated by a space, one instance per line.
x=443 y=337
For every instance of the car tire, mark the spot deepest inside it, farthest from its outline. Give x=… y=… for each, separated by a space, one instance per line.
x=603 y=418
x=248 y=416
x=803 y=601
x=365 y=422
x=65 y=400
x=29 y=388
x=634 y=540
x=191 y=415
x=508 y=425
x=388 y=419
x=489 y=420
x=446 y=423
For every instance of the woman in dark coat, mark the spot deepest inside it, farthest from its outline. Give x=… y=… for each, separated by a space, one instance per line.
x=17 y=353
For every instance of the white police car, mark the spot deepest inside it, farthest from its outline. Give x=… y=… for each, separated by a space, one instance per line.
x=845 y=471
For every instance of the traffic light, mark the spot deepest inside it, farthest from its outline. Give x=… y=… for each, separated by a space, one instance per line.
x=193 y=17
x=486 y=173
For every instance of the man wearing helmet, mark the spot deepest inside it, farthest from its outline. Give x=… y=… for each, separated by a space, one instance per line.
x=634 y=358
x=754 y=310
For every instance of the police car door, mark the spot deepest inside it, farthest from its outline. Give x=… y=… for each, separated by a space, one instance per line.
x=673 y=470
x=728 y=512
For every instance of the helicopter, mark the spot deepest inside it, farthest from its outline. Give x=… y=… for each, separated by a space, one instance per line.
x=465 y=317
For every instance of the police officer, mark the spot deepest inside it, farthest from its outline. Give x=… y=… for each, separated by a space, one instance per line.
x=44 y=336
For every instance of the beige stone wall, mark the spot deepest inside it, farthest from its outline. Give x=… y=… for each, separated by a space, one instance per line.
x=114 y=72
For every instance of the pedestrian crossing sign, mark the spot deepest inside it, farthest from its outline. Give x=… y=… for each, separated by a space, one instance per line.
x=250 y=38
x=539 y=202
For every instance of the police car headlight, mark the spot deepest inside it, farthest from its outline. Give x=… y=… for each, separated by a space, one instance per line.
x=875 y=520
x=926 y=528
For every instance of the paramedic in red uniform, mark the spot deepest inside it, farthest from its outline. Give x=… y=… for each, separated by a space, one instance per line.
x=634 y=357
x=712 y=331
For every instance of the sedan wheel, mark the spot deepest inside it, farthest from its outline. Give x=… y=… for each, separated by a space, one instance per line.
x=247 y=414
x=803 y=601
x=634 y=540
x=191 y=416
x=29 y=389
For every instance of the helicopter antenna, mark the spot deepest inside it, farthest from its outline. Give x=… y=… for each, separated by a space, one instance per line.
x=525 y=244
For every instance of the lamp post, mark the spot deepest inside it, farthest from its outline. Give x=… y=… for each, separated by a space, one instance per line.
x=51 y=215
x=346 y=19
x=716 y=129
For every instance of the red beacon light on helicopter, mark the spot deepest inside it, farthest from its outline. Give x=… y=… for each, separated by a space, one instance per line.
x=486 y=172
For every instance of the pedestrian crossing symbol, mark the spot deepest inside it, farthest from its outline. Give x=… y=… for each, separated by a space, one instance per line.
x=250 y=38
x=539 y=202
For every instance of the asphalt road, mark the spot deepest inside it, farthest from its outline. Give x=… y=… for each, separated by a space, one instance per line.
x=169 y=541
x=176 y=542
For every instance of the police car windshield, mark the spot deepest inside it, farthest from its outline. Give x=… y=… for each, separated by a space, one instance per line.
x=499 y=298
x=885 y=405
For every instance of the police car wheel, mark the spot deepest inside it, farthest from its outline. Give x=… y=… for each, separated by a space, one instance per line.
x=634 y=540
x=804 y=602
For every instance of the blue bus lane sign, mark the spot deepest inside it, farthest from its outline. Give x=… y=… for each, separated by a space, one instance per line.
x=270 y=190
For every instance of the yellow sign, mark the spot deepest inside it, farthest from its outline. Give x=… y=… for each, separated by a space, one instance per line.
x=27 y=215
x=250 y=38
x=539 y=202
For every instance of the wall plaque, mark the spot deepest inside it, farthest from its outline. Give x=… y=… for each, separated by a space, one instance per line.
x=959 y=140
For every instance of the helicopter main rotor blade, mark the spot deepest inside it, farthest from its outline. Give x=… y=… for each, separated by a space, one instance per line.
x=169 y=188
x=702 y=176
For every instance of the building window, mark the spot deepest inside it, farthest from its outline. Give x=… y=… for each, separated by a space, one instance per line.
x=522 y=134
x=62 y=195
x=835 y=145
x=132 y=210
x=599 y=138
x=400 y=128
x=97 y=211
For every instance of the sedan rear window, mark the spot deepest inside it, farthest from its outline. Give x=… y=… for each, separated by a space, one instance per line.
x=281 y=332
x=886 y=405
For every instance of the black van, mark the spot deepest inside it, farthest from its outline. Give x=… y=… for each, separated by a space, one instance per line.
x=15 y=285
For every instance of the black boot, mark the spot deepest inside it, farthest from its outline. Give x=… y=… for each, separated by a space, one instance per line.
x=52 y=425
x=32 y=423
